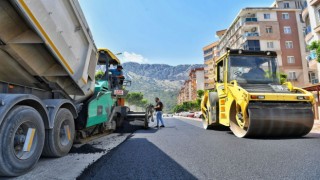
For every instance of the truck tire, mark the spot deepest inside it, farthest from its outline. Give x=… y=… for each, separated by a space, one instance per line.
x=59 y=140
x=21 y=125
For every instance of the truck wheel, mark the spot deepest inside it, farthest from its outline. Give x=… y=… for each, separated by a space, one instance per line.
x=21 y=141
x=146 y=121
x=59 y=140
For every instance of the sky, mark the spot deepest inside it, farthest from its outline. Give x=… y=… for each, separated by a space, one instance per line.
x=161 y=31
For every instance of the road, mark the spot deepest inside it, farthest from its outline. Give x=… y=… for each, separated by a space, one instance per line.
x=183 y=150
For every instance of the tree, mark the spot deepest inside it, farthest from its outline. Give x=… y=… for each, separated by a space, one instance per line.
x=200 y=93
x=188 y=106
x=136 y=98
x=99 y=75
x=315 y=45
x=283 y=78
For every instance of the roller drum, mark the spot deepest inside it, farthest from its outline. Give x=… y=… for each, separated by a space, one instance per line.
x=277 y=120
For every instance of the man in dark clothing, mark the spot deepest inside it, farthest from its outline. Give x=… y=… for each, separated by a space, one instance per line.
x=158 y=108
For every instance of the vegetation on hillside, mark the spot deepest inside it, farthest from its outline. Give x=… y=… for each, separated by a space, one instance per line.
x=157 y=80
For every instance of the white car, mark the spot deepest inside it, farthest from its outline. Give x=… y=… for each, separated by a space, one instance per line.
x=198 y=114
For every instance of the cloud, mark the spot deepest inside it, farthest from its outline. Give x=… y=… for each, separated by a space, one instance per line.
x=133 y=57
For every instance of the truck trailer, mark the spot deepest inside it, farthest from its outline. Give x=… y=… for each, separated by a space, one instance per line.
x=48 y=93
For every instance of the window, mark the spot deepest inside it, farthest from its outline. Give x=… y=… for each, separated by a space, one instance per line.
x=318 y=13
x=292 y=76
x=270 y=45
x=266 y=16
x=208 y=57
x=289 y=44
x=269 y=29
x=252 y=45
x=285 y=16
x=208 y=51
x=287 y=30
x=286 y=5
x=290 y=59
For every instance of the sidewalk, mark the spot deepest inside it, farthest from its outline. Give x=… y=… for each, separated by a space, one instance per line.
x=316 y=127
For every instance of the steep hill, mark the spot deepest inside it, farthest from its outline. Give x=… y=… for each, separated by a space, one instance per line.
x=157 y=80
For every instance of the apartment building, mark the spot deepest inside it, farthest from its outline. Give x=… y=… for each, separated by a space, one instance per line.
x=185 y=92
x=196 y=77
x=188 y=91
x=311 y=16
x=278 y=28
x=210 y=54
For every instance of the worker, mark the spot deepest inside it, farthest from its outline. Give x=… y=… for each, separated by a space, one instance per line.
x=117 y=76
x=158 y=108
x=255 y=73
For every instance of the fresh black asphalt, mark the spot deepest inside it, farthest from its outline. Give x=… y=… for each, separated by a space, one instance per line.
x=183 y=150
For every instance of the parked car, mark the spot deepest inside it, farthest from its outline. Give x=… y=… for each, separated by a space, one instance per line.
x=184 y=114
x=190 y=114
x=167 y=115
x=198 y=114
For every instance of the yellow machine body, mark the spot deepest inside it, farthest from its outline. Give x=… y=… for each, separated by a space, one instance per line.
x=255 y=109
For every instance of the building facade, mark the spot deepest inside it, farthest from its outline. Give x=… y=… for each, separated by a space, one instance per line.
x=311 y=16
x=278 y=28
x=188 y=92
x=210 y=54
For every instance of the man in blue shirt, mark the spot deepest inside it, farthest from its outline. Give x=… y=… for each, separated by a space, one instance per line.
x=117 y=75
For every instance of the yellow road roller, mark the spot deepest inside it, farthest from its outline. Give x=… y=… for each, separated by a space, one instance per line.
x=249 y=98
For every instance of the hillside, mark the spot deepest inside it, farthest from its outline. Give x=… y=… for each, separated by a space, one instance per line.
x=157 y=80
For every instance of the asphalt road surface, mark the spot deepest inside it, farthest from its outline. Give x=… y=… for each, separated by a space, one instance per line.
x=183 y=150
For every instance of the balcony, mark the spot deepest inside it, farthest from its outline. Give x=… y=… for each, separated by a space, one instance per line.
x=313 y=65
x=314 y=81
x=317 y=29
x=250 y=36
x=305 y=13
x=209 y=86
x=314 y=2
x=246 y=20
x=308 y=33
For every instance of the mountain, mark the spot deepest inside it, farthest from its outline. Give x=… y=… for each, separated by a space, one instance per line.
x=157 y=80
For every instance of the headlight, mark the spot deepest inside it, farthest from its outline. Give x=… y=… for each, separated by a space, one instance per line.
x=257 y=97
x=303 y=97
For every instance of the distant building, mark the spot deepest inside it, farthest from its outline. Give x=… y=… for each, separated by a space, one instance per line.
x=278 y=28
x=196 y=77
x=210 y=54
x=188 y=91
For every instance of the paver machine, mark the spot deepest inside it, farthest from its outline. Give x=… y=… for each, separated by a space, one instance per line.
x=249 y=98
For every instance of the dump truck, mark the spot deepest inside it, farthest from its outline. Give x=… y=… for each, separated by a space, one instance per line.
x=249 y=98
x=49 y=97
